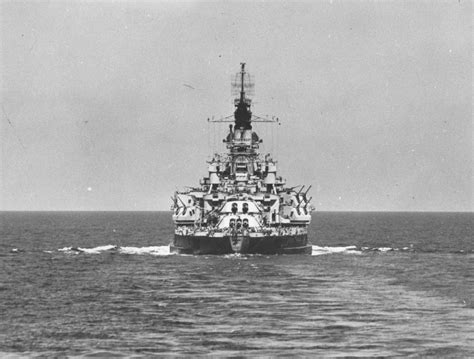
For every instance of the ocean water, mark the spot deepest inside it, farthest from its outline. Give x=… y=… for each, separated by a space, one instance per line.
x=98 y=284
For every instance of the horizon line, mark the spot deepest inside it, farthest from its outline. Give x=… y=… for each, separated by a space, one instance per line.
x=320 y=211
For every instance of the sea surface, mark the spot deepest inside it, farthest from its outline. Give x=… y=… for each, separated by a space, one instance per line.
x=103 y=284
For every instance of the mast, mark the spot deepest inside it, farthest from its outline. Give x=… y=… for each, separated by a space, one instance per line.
x=242 y=113
x=242 y=73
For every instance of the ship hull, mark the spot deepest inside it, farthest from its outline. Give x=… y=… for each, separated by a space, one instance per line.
x=284 y=244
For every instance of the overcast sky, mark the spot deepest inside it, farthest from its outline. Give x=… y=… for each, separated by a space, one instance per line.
x=104 y=105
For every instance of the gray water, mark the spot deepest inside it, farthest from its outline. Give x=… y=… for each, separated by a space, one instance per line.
x=104 y=284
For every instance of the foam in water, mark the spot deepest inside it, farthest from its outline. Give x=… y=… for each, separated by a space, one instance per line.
x=317 y=250
x=154 y=250
x=94 y=250
x=165 y=250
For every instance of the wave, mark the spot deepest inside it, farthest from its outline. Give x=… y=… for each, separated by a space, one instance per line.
x=388 y=249
x=165 y=250
x=155 y=250
x=317 y=250
x=152 y=250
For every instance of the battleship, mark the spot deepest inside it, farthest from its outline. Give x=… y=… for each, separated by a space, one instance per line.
x=242 y=205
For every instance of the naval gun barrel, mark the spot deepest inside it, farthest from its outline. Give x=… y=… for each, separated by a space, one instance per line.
x=184 y=204
x=174 y=201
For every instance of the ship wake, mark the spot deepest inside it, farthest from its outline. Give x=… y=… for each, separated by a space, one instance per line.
x=165 y=250
x=152 y=250
x=317 y=250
